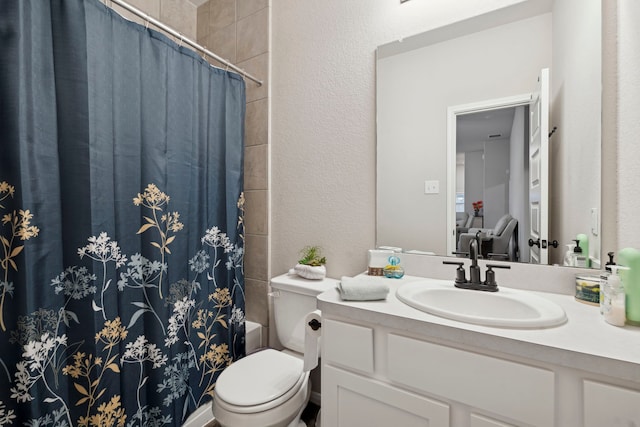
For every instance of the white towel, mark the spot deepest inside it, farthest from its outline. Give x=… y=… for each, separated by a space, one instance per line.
x=363 y=288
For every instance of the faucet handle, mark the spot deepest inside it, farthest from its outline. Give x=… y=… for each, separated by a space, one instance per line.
x=460 y=274
x=490 y=277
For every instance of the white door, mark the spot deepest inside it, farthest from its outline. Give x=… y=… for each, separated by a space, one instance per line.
x=539 y=171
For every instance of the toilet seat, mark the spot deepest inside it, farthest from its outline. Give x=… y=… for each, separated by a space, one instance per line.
x=259 y=382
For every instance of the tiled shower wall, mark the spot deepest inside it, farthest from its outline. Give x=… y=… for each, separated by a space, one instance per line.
x=236 y=30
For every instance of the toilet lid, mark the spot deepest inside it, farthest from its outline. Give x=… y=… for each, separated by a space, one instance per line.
x=259 y=378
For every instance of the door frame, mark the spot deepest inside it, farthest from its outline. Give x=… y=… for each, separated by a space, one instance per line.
x=452 y=113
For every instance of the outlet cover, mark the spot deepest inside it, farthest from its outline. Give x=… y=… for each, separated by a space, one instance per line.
x=431 y=187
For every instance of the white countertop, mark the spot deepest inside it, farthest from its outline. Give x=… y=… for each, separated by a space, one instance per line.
x=584 y=342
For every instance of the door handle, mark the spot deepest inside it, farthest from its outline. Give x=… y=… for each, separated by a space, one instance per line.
x=553 y=243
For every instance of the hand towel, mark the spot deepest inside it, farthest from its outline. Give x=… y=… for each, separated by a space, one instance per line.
x=363 y=288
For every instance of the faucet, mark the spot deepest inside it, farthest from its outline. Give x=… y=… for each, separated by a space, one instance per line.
x=474 y=270
x=474 y=282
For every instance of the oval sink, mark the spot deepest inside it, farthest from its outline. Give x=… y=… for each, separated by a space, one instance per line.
x=509 y=308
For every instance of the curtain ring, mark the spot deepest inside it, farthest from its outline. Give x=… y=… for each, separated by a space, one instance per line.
x=146 y=22
x=204 y=53
x=181 y=39
x=226 y=69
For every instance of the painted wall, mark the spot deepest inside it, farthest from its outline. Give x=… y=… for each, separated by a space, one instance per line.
x=519 y=178
x=473 y=181
x=323 y=119
x=414 y=91
x=575 y=147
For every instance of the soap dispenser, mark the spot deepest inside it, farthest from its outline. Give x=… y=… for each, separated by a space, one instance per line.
x=614 y=298
x=578 y=259
x=604 y=276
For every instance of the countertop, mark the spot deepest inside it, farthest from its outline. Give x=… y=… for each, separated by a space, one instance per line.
x=584 y=342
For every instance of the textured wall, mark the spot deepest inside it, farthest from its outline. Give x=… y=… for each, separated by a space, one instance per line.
x=323 y=119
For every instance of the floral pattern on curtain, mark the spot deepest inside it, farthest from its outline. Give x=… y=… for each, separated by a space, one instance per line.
x=121 y=220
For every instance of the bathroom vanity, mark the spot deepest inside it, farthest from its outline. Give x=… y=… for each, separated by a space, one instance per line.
x=387 y=364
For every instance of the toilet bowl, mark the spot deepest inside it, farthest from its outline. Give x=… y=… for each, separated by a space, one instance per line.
x=203 y=416
x=270 y=388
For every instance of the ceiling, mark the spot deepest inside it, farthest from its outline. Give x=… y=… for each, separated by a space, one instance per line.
x=472 y=130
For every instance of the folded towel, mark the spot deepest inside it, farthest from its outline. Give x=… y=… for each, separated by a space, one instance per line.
x=363 y=288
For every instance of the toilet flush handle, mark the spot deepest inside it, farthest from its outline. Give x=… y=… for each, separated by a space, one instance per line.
x=315 y=325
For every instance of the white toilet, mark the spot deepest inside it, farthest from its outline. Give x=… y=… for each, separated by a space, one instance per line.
x=269 y=388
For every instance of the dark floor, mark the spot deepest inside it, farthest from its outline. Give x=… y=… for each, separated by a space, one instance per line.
x=310 y=413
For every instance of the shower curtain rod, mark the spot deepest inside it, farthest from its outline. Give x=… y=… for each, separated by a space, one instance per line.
x=184 y=39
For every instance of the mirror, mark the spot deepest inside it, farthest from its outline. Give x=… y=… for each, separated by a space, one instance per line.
x=494 y=56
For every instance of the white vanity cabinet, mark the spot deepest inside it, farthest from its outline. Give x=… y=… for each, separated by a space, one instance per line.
x=377 y=376
x=608 y=405
x=372 y=376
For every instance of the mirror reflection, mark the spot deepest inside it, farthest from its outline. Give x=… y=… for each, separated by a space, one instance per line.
x=491 y=194
x=431 y=169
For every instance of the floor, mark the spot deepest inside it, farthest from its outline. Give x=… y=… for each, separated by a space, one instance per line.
x=309 y=414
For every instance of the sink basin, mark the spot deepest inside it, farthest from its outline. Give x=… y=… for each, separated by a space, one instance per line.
x=508 y=308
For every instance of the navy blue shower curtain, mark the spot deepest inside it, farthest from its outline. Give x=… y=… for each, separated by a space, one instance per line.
x=121 y=220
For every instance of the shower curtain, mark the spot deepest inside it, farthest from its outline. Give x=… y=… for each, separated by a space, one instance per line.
x=121 y=220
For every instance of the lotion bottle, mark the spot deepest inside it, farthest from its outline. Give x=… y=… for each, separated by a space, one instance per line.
x=630 y=257
x=584 y=245
x=614 y=298
x=568 y=256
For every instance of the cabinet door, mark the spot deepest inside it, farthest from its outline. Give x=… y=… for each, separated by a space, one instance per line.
x=352 y=400
x=482 y=421
x=607 y=405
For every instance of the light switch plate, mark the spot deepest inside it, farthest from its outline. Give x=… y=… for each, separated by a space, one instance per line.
x=431 y=187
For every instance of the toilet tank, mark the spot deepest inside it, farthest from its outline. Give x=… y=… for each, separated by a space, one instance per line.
x=293 y=298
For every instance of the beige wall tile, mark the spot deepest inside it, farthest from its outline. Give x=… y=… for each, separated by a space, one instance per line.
x=222 y=13
x=150 y=7
x=255 y=260
x=257 y=122
x=202 y=29
x=255 y=168
x=252 y=31
x=223 y=42
x=258 y=66
x=247 y=7
x=180 y=15
x=256 y=301
x=256 y=212
x=132 y=17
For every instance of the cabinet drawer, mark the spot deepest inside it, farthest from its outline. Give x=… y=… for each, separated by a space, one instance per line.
x=607 y=405
x=513 y=390
x=347 y=345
